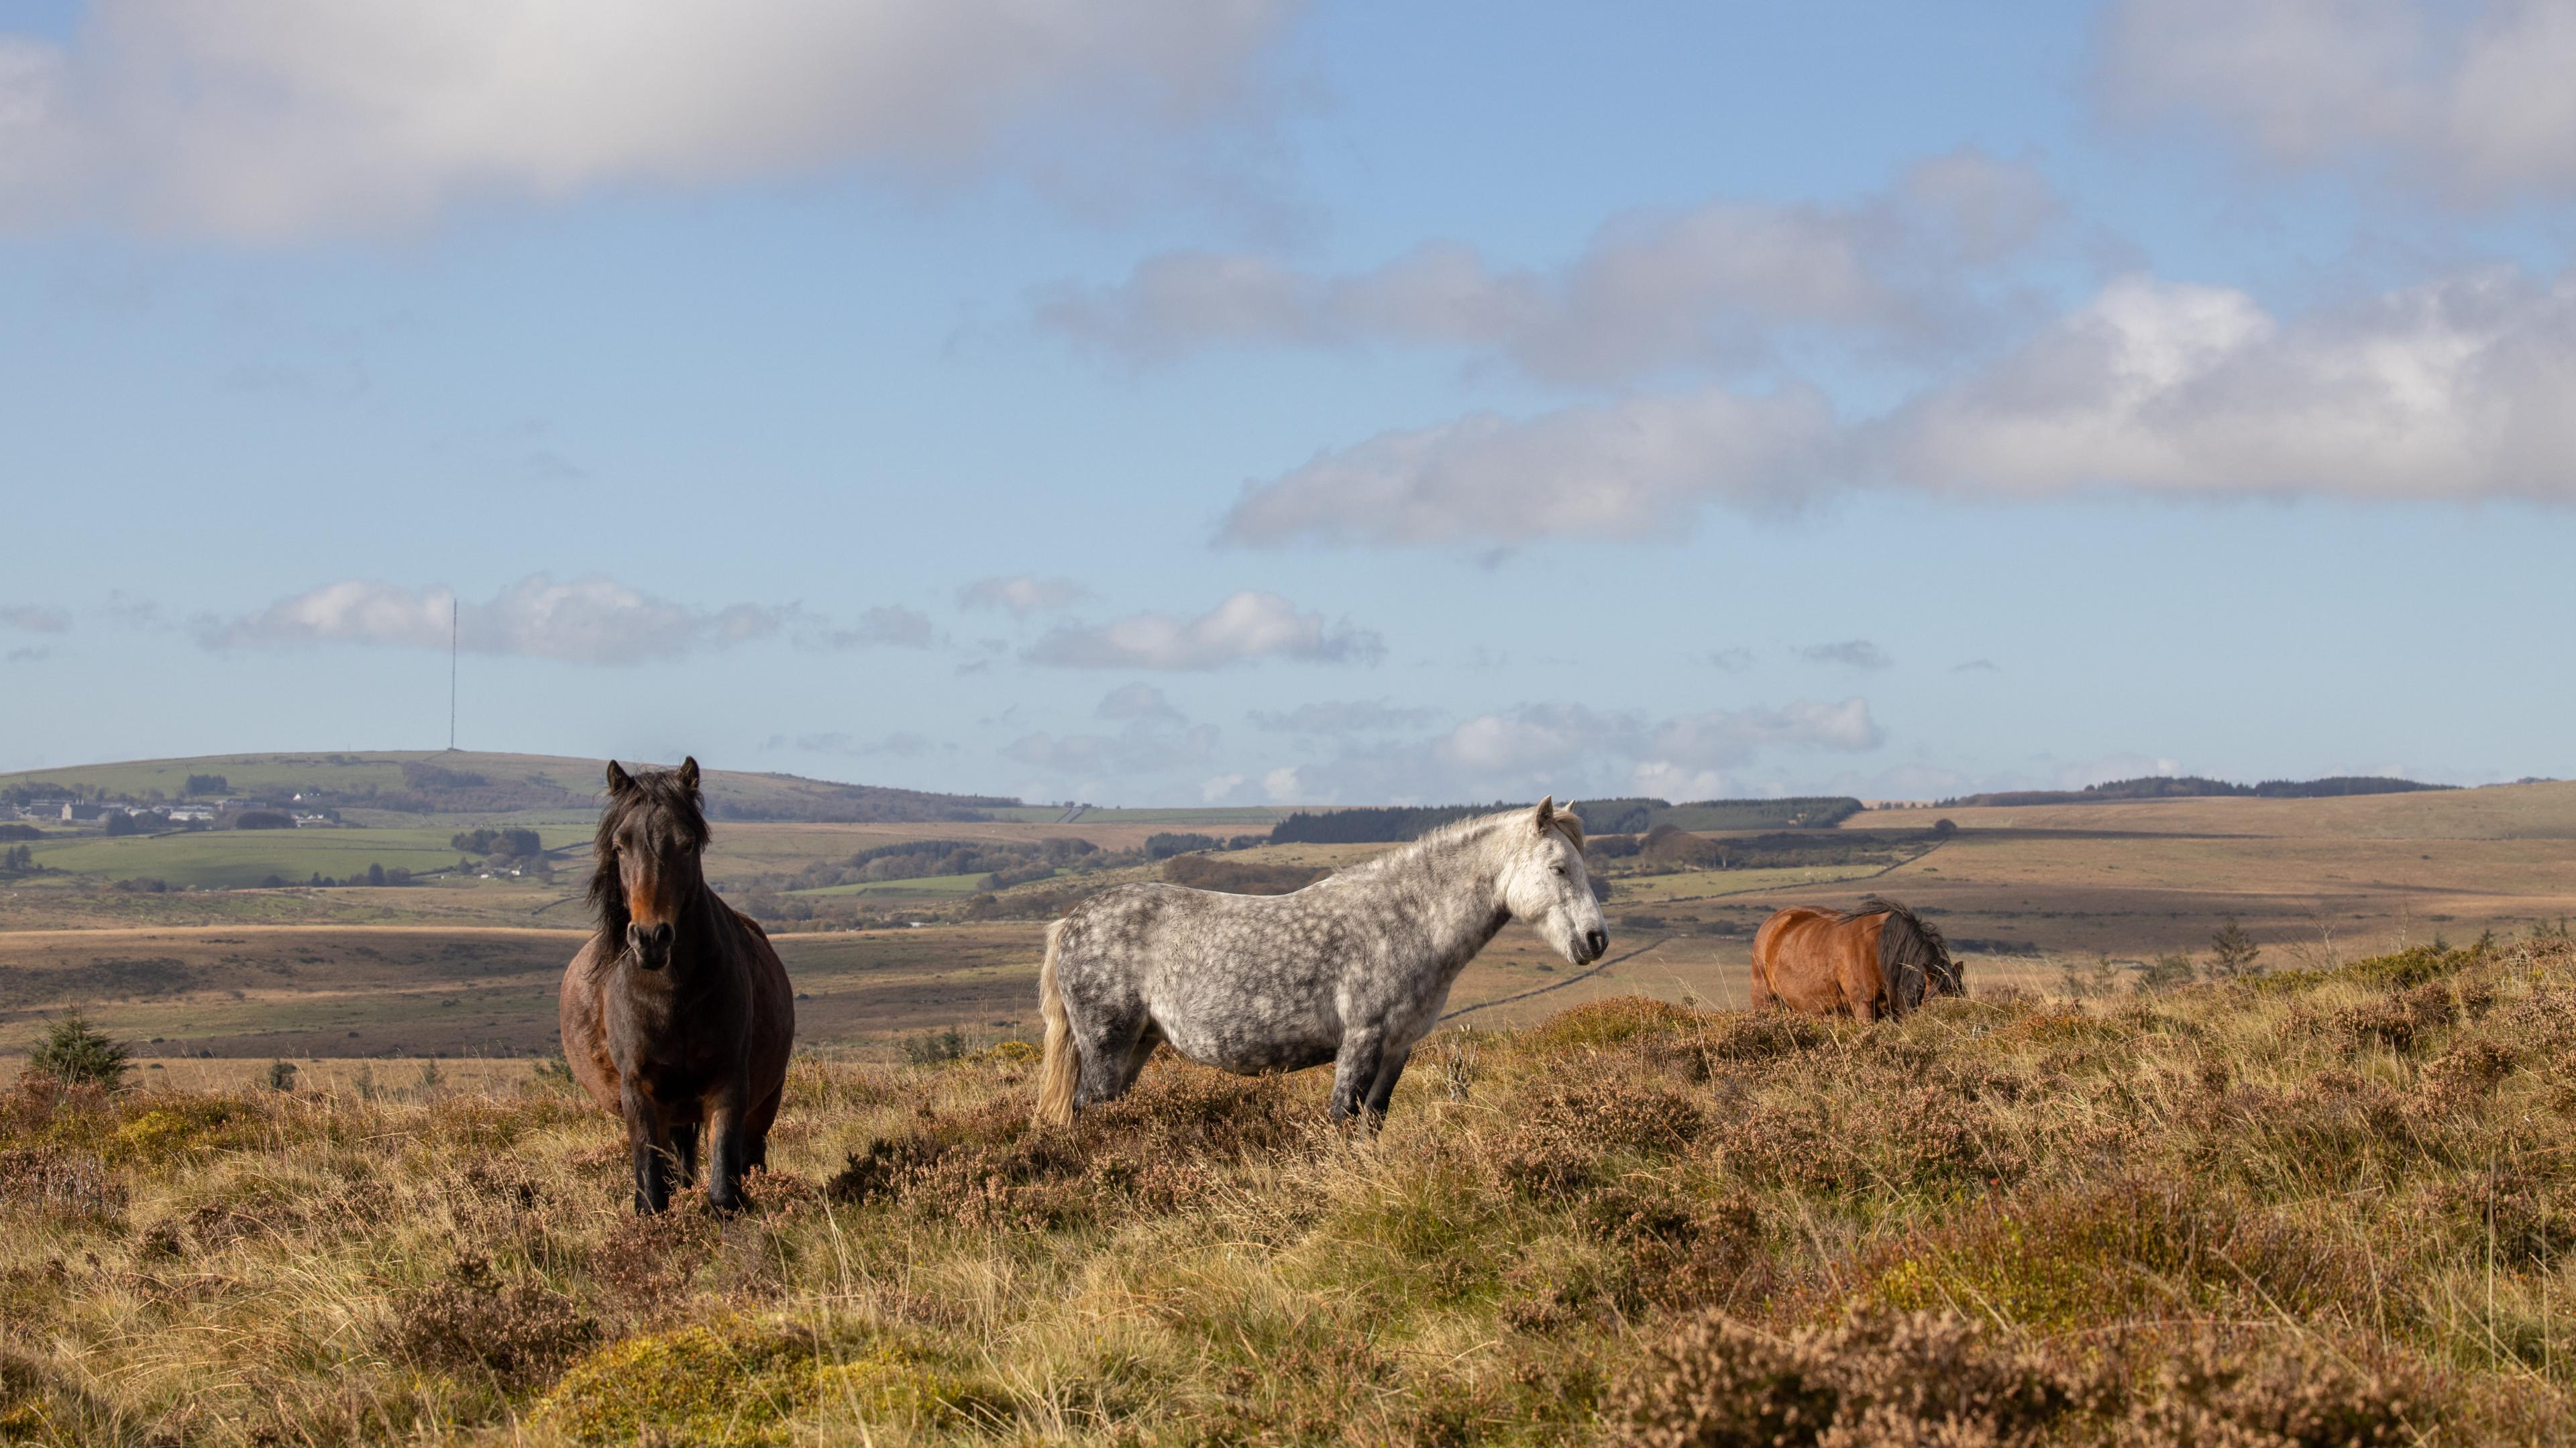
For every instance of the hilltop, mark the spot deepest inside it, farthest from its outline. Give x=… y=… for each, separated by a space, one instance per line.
x=2193 y=786
x=464 y=782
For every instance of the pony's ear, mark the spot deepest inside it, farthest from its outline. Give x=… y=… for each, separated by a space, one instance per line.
x=689 y=772
x=1545 y=815
x=619 y=781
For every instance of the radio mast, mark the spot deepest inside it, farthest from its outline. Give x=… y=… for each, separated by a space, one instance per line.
x=452 y=607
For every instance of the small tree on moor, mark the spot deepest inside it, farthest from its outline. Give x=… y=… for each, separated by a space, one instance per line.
x=2232 y=951
x=76 y=1052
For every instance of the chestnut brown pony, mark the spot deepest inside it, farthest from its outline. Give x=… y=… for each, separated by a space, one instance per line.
x=676 y=1014
x=1878 y=960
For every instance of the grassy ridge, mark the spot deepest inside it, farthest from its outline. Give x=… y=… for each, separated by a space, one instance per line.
x=2321 y=1207
x=488 y=785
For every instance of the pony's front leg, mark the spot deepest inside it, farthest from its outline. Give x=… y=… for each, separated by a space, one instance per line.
x=1355 y=1072
x=1860 y=993
x=1387 y=1074
x=644 y=1144
x=724 y=1148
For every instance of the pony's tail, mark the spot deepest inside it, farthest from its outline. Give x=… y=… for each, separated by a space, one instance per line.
x=1061 y=1067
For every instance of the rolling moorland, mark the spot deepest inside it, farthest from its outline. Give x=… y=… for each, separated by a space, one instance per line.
x=172 y=941
x=2126 y=1193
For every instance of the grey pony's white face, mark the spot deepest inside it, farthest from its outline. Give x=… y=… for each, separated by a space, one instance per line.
x=1544 y=884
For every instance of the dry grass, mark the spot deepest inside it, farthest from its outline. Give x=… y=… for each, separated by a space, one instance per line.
x=2321 y=1208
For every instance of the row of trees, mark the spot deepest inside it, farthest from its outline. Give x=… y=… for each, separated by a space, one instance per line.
x=2193 y=786
x=517 y=844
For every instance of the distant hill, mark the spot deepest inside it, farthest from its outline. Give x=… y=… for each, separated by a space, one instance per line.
x=2192 y=786
x=466 y=783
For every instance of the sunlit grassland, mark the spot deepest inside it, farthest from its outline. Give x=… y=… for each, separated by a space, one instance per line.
x=2316 y=1208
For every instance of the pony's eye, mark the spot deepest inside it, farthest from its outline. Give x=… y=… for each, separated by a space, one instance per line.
x=1560 y=869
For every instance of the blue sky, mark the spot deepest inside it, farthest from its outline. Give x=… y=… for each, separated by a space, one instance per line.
x=1273 y=402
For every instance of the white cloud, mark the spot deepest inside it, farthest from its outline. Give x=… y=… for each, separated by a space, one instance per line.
x=1217 y=787
x=1533 y=740
x=1621 y=470
x=33 y=618
x=1137 y=701
x=1574 y=750
x=1245 y=626
x=1340 y=716
x=1713 y=285
x=264 y=119
x=1663 y=779
x=885 y=626
x=1022 y=594
x=590 y=620
x=1849 y=654
x=1728 y=737
x=1142 y=748
x=902 y=744
x=2457 y=388
x=2117 y=766
x=2464 y=99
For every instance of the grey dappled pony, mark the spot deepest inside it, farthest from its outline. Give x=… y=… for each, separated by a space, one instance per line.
x=1353 y=969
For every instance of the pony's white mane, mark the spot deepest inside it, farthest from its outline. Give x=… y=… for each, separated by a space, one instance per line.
x=1459 y=832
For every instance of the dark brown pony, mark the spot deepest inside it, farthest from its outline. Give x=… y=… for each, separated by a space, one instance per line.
x=1877 y=960
x=676 y=1014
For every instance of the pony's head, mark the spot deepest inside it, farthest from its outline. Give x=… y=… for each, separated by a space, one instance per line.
x=645 y=860
x=1544 y=882
x=1912 y=955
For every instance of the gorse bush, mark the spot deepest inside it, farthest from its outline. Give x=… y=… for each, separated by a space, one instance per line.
x=2326 y=1207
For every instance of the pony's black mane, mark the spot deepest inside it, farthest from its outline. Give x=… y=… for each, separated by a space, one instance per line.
x=675 y=820
x=1910 y=947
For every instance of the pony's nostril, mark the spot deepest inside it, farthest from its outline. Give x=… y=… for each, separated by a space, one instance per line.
x=662 y=933
x=1599 y=940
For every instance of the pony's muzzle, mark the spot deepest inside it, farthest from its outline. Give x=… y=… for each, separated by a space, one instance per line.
x=650 y=944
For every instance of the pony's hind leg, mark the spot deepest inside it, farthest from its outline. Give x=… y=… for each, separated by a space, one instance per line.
x=755 y=1131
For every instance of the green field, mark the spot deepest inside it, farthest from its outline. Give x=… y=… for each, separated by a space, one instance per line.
x=239 y=859
x=920 y=885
